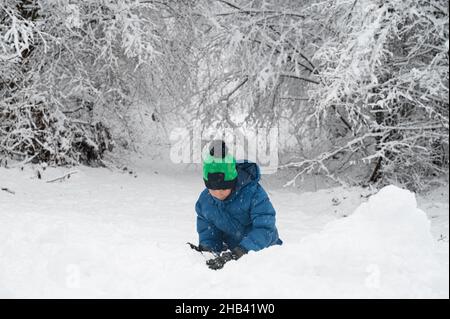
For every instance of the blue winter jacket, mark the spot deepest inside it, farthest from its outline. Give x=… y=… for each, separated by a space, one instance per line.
x=246 y=218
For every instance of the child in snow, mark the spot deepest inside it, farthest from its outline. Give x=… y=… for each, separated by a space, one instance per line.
x=233 y=212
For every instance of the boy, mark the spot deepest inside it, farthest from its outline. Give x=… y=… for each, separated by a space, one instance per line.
x=233 y=212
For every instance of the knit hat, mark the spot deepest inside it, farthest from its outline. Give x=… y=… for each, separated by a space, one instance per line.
x=219 y=167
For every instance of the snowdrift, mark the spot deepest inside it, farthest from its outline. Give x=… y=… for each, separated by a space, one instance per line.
x=85 y=246
x=384 y=249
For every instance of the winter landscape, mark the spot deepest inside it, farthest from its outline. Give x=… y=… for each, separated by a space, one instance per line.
x=104 y=234
x=108 y=110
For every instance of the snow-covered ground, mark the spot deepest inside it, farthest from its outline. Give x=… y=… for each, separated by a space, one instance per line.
x=111 y=234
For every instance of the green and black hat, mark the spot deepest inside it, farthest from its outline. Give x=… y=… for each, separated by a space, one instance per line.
x=219 y=167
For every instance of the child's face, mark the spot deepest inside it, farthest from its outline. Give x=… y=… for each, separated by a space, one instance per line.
x=220 y=194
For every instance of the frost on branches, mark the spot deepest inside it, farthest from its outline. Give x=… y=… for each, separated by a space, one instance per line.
x=361 y=85
x=358 y=89
x=67 y=74
x=385 y=68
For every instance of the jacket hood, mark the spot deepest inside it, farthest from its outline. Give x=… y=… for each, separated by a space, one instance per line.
x=248 y=172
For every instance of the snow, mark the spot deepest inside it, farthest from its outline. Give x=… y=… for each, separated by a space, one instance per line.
x=111 y=234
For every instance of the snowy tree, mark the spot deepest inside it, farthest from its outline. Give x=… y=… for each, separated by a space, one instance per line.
x=384 y=67
x=257 y=50
x=71 y=72
x=362 y=84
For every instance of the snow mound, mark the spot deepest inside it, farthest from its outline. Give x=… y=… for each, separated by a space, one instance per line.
x=109 y=235
x=384 y=249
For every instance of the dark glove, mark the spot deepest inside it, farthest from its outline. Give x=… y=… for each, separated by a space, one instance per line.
x=220 y=261
x=199 y=248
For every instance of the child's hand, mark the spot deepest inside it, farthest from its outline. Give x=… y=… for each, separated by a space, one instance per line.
x=219 y=262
